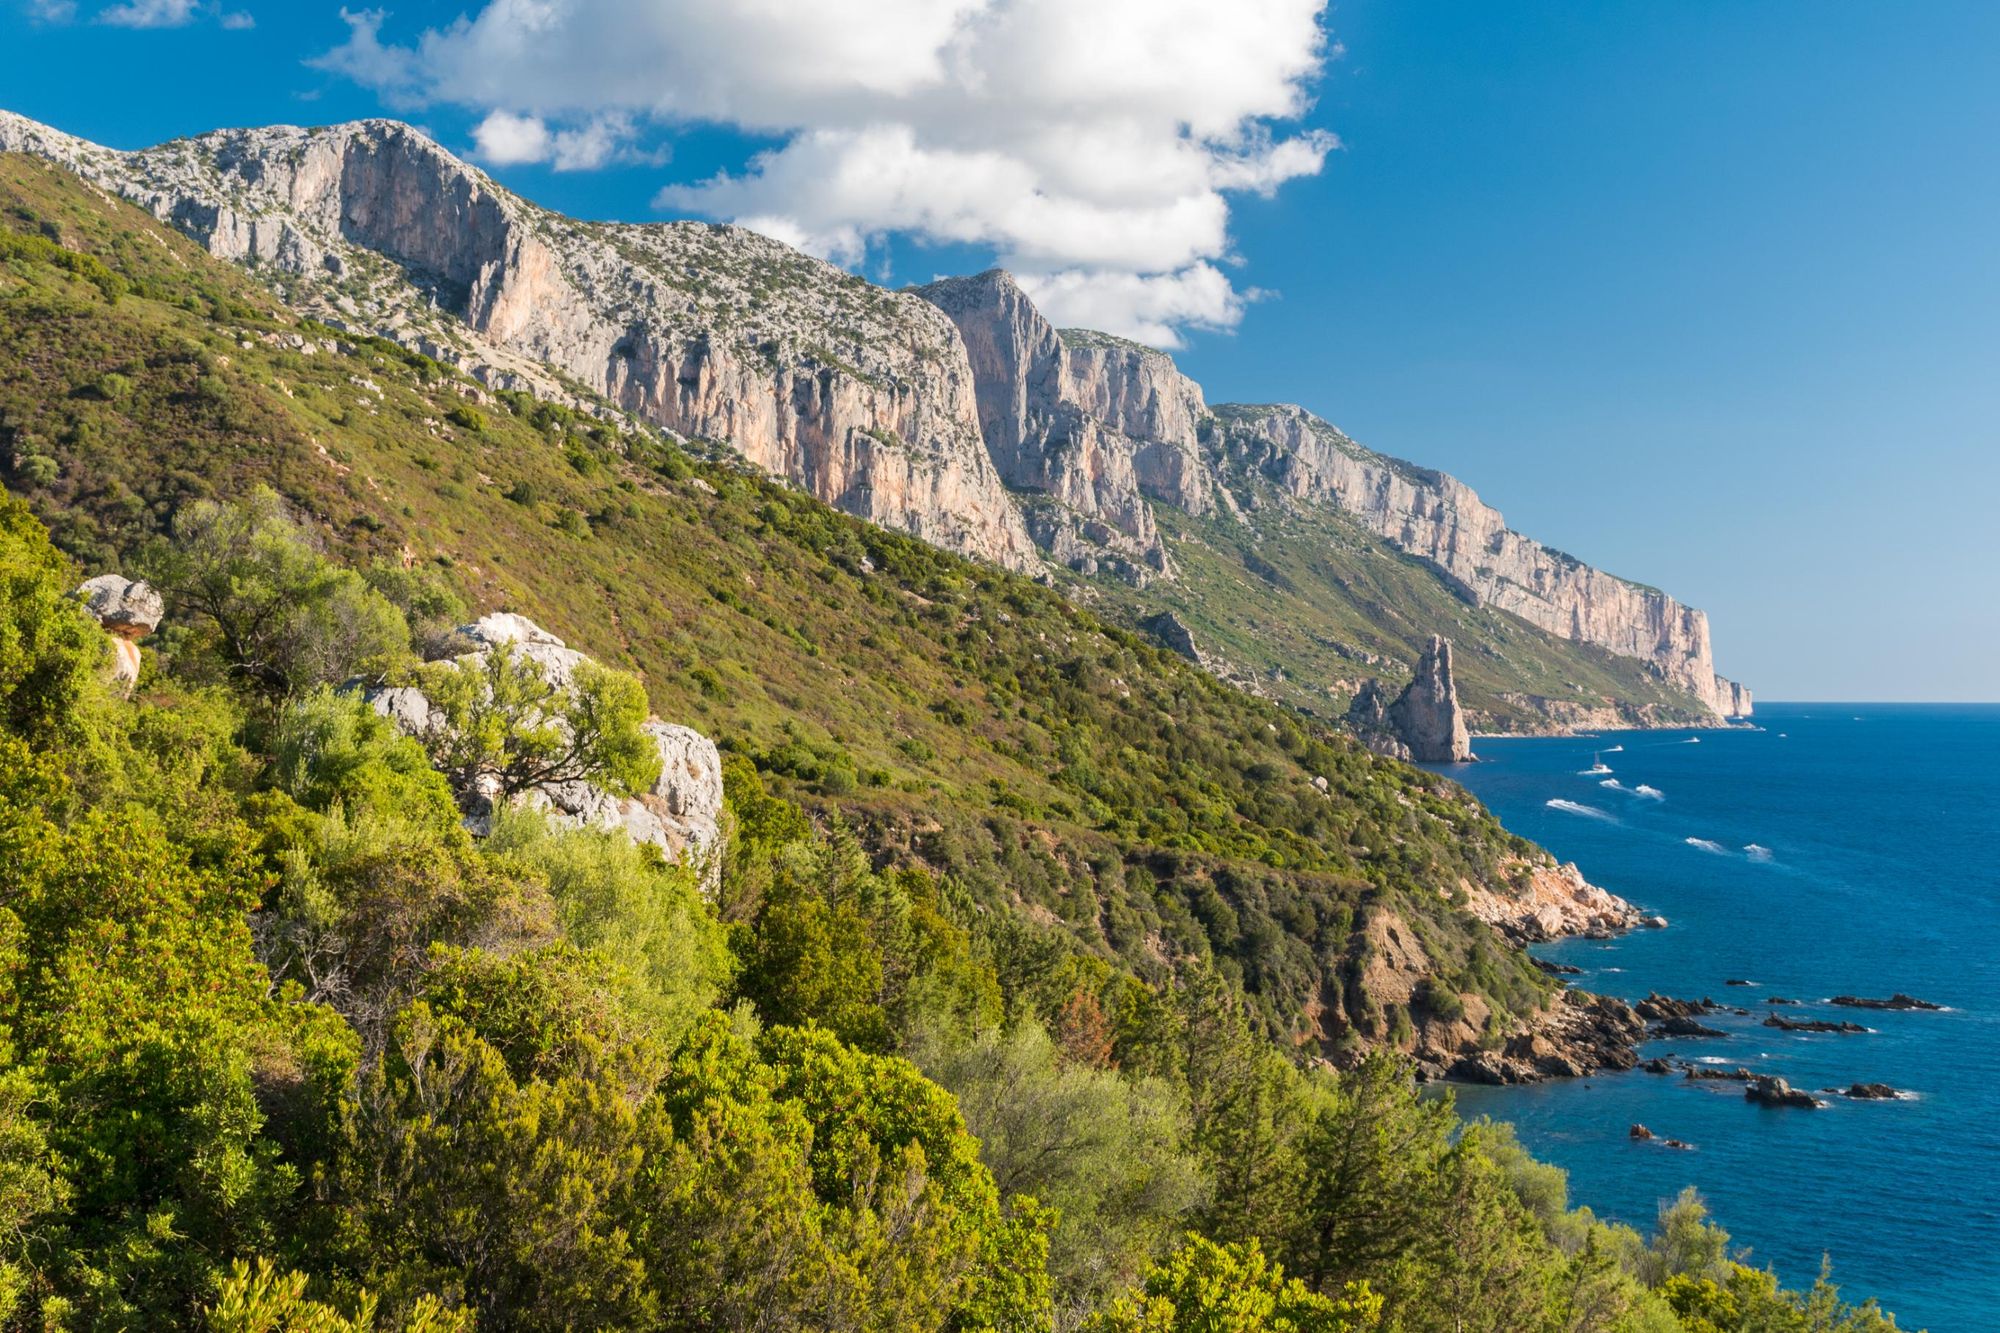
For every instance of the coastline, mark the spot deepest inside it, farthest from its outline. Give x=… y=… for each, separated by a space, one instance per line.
x=1870 y=876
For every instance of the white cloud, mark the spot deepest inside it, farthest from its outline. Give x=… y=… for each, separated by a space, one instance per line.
x=504 y=139
x=142 y=13
x=1151 y=307
x=150 y=14
x=507 y=139
x=1093 y=148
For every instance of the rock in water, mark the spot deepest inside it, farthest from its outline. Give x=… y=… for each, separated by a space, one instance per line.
x=1771 y=1090
x=1810 y=1025
x=1896 y=1001
x=129 y=610
x=1640 y=1132
x=1872 y=1092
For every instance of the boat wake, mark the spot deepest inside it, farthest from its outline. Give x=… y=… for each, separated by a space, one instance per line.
x=1577 y=808
x=1756 y=853
x=1704 y=845
x=1642 y=791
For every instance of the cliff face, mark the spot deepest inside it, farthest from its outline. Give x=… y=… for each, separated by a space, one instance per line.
x=1097 y=424
x=1442 y=520
x=861 y=396
x=916 y=410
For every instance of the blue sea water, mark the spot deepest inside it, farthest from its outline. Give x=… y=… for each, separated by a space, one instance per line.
x=1841 y=849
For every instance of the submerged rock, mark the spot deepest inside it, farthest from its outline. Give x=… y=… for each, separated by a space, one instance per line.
x=1681 y=1026
x=1711 y=1073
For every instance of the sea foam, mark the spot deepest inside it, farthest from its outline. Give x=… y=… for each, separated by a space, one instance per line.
x=1576 y=808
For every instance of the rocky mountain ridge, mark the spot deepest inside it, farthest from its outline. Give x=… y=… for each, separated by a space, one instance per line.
x=954 y=411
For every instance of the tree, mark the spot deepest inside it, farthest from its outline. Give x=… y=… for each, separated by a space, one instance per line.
x=1203 y=1287
x=282 y=616
x=1106 y=1152
x=505 y=724
x=258 y=1298
x=1372 y=1153
x=50 y=648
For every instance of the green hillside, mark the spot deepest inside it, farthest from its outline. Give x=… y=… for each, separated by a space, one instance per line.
x=1092 y=785
x=1006 y=1010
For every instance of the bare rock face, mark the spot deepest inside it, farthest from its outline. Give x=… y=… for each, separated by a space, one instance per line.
x=1554 y=902
x=1442 y=520
x=681 y=813
x=861 y=396
x=1425 y=723
x=1175 y=636
x=1097 y=424
x=129 y=610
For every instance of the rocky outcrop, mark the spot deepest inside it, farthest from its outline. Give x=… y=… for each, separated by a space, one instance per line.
x=1771 y=1090
x=1542 y=901
x=1175 y=636
x=129 y=610
x=1896 y=1001
x=1811 y=1025
x=1871 y=1092
x=1579 y=1034
x=1440 y=519
x=1425 y=723
x=1427 y=716
x=861 y=396
x=1097 y=424
x=681 y=813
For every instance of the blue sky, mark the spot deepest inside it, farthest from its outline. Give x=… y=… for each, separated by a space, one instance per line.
x=1703 y=293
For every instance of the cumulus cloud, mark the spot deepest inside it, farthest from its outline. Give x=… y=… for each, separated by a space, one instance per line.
x=507 y=139
x=1093 y=148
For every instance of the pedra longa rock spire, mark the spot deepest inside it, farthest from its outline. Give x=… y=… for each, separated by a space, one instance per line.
x=1425 y=723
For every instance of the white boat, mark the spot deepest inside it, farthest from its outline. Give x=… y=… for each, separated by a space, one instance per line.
x=1597 y=765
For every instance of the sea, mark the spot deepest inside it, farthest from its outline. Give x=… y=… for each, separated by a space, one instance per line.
x=1836 y=849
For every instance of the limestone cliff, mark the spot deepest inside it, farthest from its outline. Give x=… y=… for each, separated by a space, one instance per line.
x=860 y=395
x=1097 y=424
x=955 y=412
x=1442 y=520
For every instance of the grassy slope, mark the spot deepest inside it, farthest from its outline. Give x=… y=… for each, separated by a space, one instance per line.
x=1078 y=783
x=1298 y=604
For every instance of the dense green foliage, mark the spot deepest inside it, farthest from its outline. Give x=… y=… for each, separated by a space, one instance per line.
x=283 y=1046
